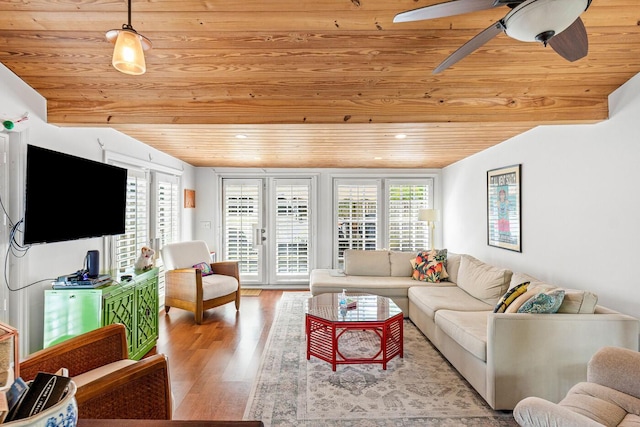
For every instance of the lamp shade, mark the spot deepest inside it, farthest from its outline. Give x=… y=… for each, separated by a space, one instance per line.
x=430 y=215
x=539 y=20
x=128 y=54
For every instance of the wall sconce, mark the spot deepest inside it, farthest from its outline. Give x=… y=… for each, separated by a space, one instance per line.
x=430 y=216
x=128 y=53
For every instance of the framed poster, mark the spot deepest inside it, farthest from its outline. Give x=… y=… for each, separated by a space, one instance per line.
x=503 y=208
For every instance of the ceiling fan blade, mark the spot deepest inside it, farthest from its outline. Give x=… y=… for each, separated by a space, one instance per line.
x=572 y=44
x=450 y=8
x=471 y=46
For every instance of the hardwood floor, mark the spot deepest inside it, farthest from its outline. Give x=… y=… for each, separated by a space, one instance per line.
x=213 y=365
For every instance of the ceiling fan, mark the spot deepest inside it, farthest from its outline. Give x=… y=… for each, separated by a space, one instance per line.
x=553 y=22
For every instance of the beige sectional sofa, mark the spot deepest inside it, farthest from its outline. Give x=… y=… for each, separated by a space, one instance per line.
x=380 y=272
x=504 y=356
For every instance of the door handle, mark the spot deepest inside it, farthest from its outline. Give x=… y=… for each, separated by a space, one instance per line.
x=258 y=238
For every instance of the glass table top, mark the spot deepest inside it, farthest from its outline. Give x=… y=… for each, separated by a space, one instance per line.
x=367 y=308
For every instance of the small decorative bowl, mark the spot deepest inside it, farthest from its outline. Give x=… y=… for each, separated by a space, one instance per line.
x=62 y=414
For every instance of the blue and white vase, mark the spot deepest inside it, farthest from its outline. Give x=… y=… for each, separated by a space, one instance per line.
x=62 y=414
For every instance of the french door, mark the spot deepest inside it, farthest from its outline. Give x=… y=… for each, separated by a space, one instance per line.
x=267 y=227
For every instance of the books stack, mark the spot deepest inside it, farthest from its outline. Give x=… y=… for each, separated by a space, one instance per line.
x=24 y=400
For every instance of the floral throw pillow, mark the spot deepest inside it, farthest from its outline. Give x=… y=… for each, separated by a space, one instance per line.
x=206 y=268
x=430 y=266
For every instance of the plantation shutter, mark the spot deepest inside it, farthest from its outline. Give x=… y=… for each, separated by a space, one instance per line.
x=166 y=218
x=241 y=217
x=357 y=215
x=404 y=201
x=292 y=228
x=136 y=232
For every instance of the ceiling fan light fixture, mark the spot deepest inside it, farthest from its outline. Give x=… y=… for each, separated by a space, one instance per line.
x=539 y=20
x=128 y=53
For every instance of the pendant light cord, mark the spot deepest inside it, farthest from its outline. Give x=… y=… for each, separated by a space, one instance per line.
x=128 y=26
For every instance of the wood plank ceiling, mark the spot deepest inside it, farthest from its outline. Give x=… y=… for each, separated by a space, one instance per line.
x=323 y=83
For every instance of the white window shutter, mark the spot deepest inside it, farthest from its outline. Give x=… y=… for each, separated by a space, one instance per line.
x=404 y=201
x=292 y=232
x=136 y=226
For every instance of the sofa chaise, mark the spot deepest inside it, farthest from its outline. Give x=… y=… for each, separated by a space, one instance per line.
x=505 y=356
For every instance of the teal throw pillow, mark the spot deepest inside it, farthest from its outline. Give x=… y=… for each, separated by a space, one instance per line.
x=543 y=302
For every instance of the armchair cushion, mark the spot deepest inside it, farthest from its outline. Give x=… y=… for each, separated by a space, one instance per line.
x=609 y=397
x=101 y=371
x=217 y=285
x=602 y=404
x=185 y=254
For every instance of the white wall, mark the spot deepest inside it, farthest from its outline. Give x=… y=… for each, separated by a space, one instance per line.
x=48 y=261
x=580 y=204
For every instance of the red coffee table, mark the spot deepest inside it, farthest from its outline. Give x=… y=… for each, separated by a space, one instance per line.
x=326 y=323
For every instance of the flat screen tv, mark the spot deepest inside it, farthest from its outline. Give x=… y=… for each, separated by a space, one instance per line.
x=70 y=198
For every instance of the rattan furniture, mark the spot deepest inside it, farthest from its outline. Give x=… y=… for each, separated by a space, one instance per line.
x=110 y=385
x=188 y=288
x=326 y=323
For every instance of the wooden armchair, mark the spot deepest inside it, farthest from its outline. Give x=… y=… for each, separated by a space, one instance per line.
x=109 y=384
x=188 y=288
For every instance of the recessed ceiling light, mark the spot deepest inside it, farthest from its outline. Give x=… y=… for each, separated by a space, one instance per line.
x=377 y=158
x=401 y=136
x=241 y=136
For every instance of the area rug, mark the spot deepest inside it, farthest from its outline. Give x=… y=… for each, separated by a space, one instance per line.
x=421 y=389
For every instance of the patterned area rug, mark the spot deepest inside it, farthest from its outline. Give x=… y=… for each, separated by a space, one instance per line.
x=421 y=389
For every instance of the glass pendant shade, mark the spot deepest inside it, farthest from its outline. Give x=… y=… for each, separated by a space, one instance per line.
x=128 y=55
x=533 y=18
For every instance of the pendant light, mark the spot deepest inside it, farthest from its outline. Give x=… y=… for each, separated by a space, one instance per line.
x=128 y=53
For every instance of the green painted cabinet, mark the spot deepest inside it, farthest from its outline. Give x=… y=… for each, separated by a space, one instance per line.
x=134 y=303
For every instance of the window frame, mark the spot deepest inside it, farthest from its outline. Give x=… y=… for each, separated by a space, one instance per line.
x=383 y=203
x=151 y=172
